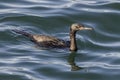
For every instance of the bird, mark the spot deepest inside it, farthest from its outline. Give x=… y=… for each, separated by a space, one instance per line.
x=53 y=42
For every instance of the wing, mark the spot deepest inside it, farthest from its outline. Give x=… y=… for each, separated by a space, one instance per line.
x=49 y=41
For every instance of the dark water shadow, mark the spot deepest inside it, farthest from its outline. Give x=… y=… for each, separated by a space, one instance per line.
x=72 y=63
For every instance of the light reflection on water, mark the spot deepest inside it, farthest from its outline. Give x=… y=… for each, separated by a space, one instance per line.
x=98 y=54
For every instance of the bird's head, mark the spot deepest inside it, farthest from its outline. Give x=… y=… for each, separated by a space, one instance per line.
x=75 y=27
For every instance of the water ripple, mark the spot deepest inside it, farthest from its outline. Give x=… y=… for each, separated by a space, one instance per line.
x=102 y=65
x=98 y=54
x=17 y=70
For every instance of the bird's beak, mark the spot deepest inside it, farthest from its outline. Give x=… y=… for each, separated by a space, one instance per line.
x=86 y=28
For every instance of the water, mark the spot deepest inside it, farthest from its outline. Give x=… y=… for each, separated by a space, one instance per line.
x=98 y=57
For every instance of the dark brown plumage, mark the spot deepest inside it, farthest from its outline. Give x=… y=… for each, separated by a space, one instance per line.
x=53 y=42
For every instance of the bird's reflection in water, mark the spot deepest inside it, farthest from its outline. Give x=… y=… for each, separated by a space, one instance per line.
x=71 y=61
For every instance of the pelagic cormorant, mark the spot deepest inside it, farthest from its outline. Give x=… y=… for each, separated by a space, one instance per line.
x=53 y=42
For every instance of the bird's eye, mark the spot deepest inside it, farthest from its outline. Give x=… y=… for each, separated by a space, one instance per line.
x=77 y=26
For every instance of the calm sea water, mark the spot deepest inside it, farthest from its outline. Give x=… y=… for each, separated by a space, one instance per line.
x=98 y=57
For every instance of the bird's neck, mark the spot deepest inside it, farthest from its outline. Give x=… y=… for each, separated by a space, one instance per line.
x=73 y=46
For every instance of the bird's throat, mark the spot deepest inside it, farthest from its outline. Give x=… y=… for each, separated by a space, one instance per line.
x=73 y=46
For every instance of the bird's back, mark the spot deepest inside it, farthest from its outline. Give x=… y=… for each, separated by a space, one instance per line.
x=49 y=41
x=44 y=40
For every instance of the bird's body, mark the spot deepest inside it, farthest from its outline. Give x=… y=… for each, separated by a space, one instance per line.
x=45 y=40
x=53 y=42
x=49 y=41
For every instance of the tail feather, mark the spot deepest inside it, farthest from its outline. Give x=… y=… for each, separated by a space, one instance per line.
x=23 y=33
